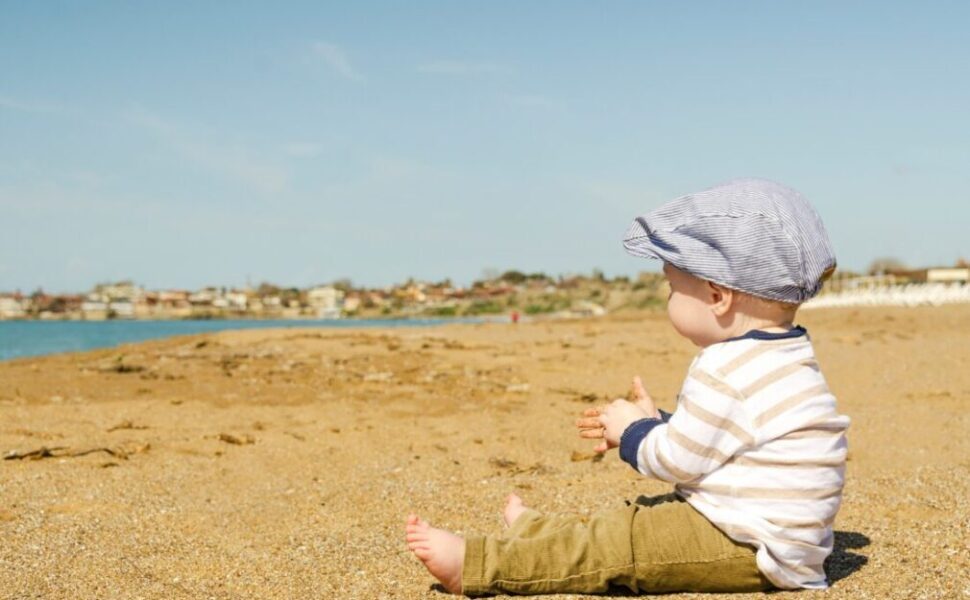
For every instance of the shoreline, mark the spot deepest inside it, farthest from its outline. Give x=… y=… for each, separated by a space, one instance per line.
x=182 y=327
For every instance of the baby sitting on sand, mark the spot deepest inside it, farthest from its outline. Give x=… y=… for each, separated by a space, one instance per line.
x=756 y=449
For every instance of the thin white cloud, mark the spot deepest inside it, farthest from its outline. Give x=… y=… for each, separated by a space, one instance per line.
x=460 y=67
x=337 y=59
x=302 y=149
x=230 y=161
x=396 y=169
x=56 y=197
x=531 y=101
x=32 y=106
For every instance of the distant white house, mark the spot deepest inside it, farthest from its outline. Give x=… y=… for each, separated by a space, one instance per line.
x=326 y=301
x=122 y=309
x=94 y=307
x=237 y=300
x=173 y=297
x=123 y=290
x=204 y=297
x=948 y=275
x=11 y=308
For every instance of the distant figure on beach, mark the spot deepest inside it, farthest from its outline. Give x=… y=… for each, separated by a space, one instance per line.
x=755 y=450
x=514 y=317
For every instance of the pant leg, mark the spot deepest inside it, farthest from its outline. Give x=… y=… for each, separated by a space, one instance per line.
x=532 y=523
x=676 y=549
x=659 y=545
x=545 y=555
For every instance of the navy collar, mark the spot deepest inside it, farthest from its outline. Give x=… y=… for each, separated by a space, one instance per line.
x=757 y=334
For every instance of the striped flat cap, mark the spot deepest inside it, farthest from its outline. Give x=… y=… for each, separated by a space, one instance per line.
x=751 y=235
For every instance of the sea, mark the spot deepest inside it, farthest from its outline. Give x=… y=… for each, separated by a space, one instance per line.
x=37 y=338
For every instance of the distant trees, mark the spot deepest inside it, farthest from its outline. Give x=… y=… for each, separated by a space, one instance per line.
x=517 y=277
x=513 y=277
x=343 y=284
x=292 y=295
x=267 y=289
x=882 y=266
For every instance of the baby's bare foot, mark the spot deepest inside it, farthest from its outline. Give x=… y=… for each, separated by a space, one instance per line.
x=442 y=552
x=513 y=509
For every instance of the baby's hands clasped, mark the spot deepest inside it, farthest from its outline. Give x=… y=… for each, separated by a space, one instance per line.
x=609 y=422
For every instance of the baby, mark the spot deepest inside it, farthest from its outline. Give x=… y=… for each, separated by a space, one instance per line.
x=756 y=449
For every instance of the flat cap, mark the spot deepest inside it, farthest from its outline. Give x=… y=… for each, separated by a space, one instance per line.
x=751 y=235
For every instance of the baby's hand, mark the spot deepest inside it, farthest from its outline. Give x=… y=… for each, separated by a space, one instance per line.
x=642 y=399
x=620 y=415
x=609 y=422
x=615 y=418
x=590 y=427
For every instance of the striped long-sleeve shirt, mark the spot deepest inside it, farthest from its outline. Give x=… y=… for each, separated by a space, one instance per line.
x=757 y=446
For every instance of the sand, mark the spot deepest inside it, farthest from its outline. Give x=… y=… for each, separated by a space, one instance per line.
x=281 y=464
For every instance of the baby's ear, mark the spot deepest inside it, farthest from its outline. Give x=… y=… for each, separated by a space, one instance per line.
x=722 y=298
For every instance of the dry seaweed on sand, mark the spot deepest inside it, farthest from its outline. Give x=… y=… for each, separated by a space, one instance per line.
x=126 y=424
x=122 y=451
x=237 y=440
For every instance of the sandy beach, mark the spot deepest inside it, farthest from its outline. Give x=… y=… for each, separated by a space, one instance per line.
x=281 y=464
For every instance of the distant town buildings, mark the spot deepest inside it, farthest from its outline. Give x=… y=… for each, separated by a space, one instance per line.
x=511 y=292
x=948 y=275
x=12 y=307
x=326 y=301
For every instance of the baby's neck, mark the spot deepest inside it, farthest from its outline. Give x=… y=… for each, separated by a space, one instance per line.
x=742 y=324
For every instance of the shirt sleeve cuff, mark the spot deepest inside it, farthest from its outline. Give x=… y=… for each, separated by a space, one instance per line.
x=632 y=437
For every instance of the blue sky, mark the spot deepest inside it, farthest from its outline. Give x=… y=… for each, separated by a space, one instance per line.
x=183 y=145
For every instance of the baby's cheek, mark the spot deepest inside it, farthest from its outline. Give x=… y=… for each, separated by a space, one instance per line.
x=686 y=317
x=677 y=312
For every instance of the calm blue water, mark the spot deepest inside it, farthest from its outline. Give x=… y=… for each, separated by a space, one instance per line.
x=34 y=338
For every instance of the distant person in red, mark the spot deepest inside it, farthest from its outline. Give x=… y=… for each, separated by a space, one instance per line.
x=515 y=316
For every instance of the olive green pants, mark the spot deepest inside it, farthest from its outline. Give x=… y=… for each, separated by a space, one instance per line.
x=655 y=545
